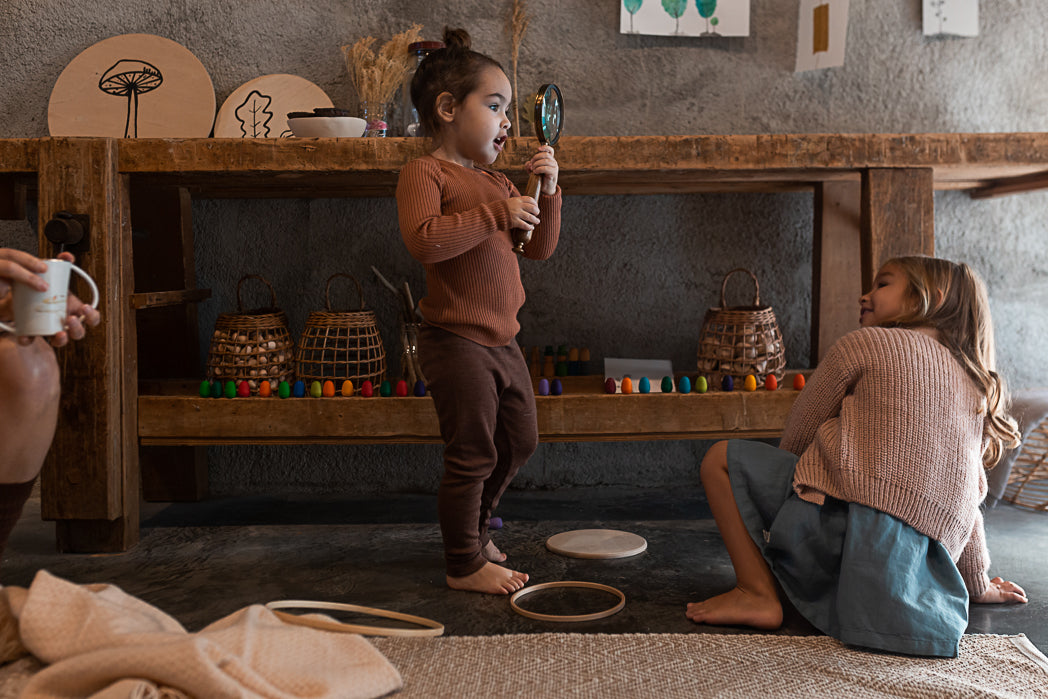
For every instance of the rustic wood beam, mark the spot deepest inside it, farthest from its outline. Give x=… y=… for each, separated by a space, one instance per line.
x=898 y=216
x=90 y=481
x=836 y=264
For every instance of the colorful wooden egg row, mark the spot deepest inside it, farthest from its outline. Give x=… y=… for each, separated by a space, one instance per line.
x=701 y=385
x=231 y=389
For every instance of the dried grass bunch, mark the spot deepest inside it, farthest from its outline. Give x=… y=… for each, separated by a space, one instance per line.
x=520 y=23
x=376 y=76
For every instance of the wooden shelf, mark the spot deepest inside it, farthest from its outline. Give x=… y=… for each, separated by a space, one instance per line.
x=991 y=163
x=873 y=198
x=171 y=414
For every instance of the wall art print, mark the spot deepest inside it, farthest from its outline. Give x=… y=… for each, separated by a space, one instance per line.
x=822 y=28
x=695 y=18
x=951 y=17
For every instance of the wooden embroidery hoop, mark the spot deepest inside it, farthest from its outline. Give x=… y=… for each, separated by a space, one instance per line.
x=567 y=617
x=432 y=628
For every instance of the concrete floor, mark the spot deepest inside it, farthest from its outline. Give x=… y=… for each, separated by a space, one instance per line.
x=201 y=561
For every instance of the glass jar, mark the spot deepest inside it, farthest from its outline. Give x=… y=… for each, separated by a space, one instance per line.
x=408 y=123
x=374 y=116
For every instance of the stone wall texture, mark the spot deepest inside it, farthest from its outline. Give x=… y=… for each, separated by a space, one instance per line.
x=634 y=274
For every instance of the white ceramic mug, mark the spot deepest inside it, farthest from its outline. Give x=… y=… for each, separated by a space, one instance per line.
x=43 y=313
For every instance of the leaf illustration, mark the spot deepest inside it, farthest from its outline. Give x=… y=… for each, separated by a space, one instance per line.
x=254 y=115
x=675 y=8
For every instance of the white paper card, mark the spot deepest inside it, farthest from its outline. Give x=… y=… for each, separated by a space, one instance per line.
x=956 y=17
x=701 y=18
x=822 y=28
x=654 y=369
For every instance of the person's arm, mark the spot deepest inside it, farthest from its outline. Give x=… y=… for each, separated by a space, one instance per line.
x=822 y=395
x=973 y=566
x=432 y=236
x=21 y=267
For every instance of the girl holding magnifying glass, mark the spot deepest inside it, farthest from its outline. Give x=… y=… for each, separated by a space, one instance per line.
x=455 y=218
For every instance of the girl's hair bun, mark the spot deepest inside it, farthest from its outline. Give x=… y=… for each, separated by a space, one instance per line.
x=457 y=39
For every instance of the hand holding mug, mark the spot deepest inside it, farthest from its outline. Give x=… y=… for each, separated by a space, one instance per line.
x=35 y=294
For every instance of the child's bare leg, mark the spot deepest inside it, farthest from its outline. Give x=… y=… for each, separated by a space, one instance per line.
x=754 y=601
x=491 y=579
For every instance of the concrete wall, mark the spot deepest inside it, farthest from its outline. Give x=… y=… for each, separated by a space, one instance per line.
x=634 y=274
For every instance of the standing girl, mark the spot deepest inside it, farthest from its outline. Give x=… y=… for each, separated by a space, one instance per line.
x=455 y=218
x=867 y=516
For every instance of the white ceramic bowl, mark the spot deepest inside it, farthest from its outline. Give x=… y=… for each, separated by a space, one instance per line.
x=327 y=127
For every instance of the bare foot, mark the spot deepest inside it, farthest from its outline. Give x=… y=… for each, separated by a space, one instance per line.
x=738 y=607
x=491 y=552
x=491 y=579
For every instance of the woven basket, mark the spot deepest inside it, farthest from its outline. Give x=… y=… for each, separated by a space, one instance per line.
x=252 y=346
x=1028 y=479
x=341 y=345
x=740 y=340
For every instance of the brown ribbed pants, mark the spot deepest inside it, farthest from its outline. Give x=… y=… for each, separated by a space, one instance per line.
x=486 y=408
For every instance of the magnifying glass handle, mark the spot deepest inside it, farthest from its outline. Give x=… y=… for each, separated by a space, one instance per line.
x=520 y=236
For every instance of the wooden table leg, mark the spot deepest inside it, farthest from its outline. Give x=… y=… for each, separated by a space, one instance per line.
x=90 y=481
x=168 y=341
x=836 y=259
x=898 y=216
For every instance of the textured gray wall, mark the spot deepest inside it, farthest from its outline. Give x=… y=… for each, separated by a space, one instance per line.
x=634 y=274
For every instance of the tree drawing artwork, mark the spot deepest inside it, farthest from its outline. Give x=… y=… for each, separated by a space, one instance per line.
x=632 y=6
x=706 y=9
x=675 y=8
x=129 y=79
x=940 y=12
x=254 y=115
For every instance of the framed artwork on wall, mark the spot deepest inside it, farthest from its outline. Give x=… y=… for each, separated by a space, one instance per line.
x=954 y=17
x=822 y=28
x=696 y=18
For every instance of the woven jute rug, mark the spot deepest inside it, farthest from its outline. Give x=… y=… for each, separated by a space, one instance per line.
x=704 y=665
x=667 y=666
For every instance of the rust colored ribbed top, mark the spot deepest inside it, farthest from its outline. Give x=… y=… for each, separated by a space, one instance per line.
x=891 y=420
x=454 y=220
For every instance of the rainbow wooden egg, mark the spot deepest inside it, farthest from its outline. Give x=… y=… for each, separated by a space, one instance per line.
x=627 y=384
x=243 y=390
x=771 y=383
x=420 y=388
x=701 y=384
x=727 y=384
x=645 y=385
x=329 y=389
x=230 y=389
x=347 y=388
x=609 y=385
x=556 y=388
x=684 y=385
x=316 y=390
x=366 y=389
x=667 y=384
x=543 y=387
x=749 y=383
x=385 y=389
x=798 y=382
x=216 y=389
x=402 y=388
x=299 y=389
x=284 y=389
x=265 y=389
x=205 y=389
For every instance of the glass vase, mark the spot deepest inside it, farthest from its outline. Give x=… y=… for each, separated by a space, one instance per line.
x=374 y=113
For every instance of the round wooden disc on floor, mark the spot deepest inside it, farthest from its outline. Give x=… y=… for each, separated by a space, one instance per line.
x=259 y=107
x=133 y=86
x=597 y=543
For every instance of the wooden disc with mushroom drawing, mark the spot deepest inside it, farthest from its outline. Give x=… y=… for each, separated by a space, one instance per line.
x=133 y=86
x=259 y=107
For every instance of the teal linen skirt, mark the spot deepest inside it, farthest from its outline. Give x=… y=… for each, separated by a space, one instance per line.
x=862 y=576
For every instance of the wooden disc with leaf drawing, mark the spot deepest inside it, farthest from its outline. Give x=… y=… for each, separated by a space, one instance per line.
x=133 y=86
x=259 y=107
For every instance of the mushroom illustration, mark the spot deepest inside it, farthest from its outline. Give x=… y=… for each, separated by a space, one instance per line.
x=128 y=78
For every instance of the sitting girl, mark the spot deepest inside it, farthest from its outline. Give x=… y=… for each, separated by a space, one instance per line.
x=867 y=517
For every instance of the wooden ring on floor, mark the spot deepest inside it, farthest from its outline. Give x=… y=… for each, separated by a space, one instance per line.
x=432 y=628
x=567 y=617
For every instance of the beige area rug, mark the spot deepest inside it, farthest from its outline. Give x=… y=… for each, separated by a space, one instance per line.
x=667 y=666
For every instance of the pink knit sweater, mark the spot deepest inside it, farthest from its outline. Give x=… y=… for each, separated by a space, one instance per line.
x=455 y=222
x=891 y=420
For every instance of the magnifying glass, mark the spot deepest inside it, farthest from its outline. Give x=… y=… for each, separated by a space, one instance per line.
x=548 y=120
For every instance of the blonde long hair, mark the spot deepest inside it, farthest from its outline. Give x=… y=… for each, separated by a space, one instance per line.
x=951 y=298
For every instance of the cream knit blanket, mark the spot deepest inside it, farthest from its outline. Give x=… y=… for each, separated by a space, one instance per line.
x=102 y=643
